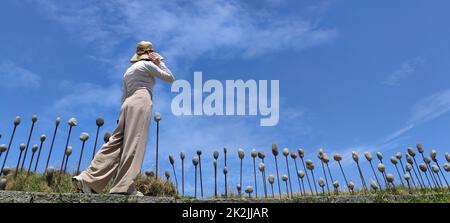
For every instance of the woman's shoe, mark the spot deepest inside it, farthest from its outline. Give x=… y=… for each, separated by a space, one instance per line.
x=136 y=193
x=82 y=186
x=133 y=193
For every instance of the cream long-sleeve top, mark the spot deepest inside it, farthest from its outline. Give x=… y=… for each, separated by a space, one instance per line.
x=142 y=75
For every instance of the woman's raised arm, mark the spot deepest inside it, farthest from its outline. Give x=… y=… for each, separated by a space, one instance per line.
x=160 y=71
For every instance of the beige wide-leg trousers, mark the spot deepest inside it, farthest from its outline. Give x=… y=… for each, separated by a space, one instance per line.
x=123 y=155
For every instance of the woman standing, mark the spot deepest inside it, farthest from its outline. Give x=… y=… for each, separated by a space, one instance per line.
x=123 y=155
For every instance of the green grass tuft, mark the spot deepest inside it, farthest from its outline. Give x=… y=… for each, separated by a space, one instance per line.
x=40 y=183
x=63 y=184
x=151 y=186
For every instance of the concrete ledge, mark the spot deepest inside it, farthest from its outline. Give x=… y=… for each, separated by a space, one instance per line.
x=39 y=197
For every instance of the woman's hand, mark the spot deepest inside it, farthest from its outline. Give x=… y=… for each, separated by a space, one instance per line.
x=155 y=58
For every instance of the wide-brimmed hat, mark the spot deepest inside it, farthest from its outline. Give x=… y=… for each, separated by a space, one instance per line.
x=142 y=50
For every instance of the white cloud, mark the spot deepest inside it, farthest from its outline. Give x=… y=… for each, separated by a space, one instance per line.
x=14 y=76
x=96 y=23
x=398 y=133
x=425 y=110
x=431 y=107
x=407 y=69
x=186 y=30
x=86 y=98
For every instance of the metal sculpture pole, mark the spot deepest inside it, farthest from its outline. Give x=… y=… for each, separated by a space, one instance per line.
x=275 y=154
x=42 y=138
x=33 y=121
x=294 y=157
x=225 y=156
x=58 y=120
x=182 y=156
x=433 y=155
x=410 y=163
x=399 y=156
x=83 y=137
x=326 y=160
x=394 y=162
x=407 y=178
x=320 y=157
x=301 y=153
x=286 y=154
x=3 y=149
x=382 y=170
x=301 y=175
x=262 y=169
x=195 y=162
x=215 y=156
x=99 y=122
x=435 y=170
x=68 y=153
x=423 y=168
x=22 y=148
x=215 y=178
x=16 y=123
x=271 y=180
x=369 y=158
x=34 y=149
x=337 y=157
x=413 y=155
x=199 y=154
x=380 y=157
x=172 y=163
x=285 y=179
x=390 y=180
x=261 y=156
x=427 y=161
x=310 y=167
x=157 y=119
x=225 y=172
x=254 y=154
x=72 y=122
x=356 y=159
x=408 y=169
x=241 y=155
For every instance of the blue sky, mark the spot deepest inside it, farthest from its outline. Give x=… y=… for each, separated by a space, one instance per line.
x=354 y=75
